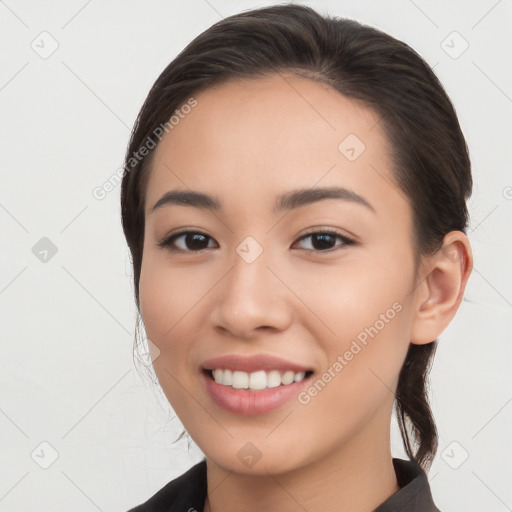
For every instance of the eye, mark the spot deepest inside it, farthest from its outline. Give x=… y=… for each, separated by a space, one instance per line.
x=322 y=241
x=195 y=241
x=192 y=239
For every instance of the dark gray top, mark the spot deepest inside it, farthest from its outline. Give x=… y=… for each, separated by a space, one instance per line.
x=187 y=493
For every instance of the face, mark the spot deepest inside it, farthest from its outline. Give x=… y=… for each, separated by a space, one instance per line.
x=314 y=288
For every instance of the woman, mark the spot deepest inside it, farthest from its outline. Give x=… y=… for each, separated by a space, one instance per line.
x=294 y=200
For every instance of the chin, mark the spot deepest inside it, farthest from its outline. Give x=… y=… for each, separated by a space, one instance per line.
x=255 y=458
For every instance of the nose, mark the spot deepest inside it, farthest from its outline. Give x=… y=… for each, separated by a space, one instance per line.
x=251 y=298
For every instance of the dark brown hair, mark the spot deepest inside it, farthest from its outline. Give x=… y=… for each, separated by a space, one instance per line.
x=430 y=156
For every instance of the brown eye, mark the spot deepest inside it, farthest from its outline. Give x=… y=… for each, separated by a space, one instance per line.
x=190 y=241
x=324 y=241
x=195 y=241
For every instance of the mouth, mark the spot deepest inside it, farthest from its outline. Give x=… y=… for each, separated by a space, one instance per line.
x=257 y=384
x=257 y=380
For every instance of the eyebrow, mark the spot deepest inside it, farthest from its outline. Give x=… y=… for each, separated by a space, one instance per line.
x=288 y=201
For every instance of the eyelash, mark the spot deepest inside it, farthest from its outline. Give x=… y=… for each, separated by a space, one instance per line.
x=169 y=240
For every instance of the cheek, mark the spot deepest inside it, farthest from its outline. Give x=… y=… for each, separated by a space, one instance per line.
x=161 y=311
x=370 y=344
x=368 y=318
x=166 y=298
x=358 y=300
x=171 y=302
x=164 y=302
x=355 y=389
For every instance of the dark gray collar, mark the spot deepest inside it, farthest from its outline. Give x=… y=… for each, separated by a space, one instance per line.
x=188 y=492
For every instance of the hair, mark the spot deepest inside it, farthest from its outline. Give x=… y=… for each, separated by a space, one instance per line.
x=430 y=158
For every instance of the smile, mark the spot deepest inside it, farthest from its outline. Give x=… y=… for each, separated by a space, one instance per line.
x=257 y=380
x=256 y=384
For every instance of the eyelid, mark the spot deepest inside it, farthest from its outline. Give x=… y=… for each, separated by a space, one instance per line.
x=332 y=231
x=347 y=240
x=167 y=241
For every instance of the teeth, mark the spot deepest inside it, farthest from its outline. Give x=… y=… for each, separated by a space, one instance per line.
x=256 y=380
x=297 y=377
x=227 y=377
x=273 y=379
x=240 y=380
x=287 y=378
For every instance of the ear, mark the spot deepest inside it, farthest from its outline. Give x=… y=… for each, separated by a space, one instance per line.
x=443 y=279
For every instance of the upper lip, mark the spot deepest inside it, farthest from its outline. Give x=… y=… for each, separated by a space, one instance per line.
x=252 y=363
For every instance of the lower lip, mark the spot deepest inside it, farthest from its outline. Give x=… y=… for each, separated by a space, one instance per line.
x=251 y=403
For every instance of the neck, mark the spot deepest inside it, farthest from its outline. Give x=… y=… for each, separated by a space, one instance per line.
x=357 y=478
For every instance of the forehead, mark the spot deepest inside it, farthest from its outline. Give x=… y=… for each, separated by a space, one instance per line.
x=248 y=138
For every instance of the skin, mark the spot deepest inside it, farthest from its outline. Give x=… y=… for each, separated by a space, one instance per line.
x=246 y=142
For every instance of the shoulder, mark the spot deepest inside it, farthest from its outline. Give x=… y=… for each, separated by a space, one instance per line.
x=185 y=493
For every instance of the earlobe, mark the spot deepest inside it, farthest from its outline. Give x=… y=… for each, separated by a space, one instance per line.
x=440 y=292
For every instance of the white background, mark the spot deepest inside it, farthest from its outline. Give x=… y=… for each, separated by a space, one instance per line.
x=67 y=375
